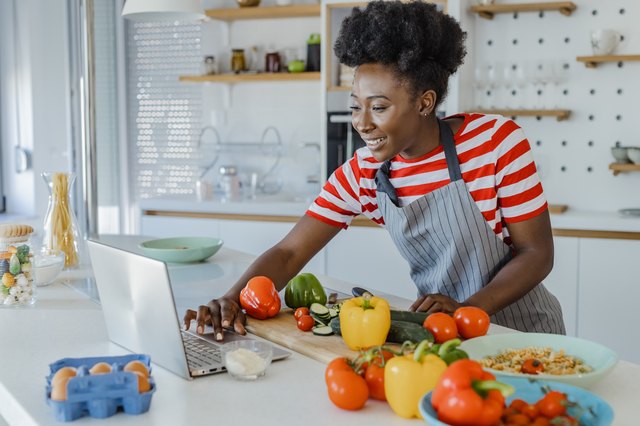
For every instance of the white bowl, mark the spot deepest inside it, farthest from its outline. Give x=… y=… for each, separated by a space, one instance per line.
x=633 y=152
x=247 y=359
x=47 y=265
x=600 y=358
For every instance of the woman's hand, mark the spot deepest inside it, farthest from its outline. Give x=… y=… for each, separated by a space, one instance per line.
x=435 y=303
x=220 y=313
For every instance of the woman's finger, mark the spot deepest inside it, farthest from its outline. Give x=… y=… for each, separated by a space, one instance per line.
x=214 y=314
x=238 y=324
x=417 y=303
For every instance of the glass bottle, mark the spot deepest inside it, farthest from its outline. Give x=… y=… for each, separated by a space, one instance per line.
x=238 y=61
x=210 y=66
x=16 y=266
x=61 y=231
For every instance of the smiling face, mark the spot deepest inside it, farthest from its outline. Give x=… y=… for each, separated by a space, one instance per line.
x=388 y=117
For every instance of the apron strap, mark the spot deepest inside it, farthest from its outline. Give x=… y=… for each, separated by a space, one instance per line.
x=449 y=146
x=383 y=184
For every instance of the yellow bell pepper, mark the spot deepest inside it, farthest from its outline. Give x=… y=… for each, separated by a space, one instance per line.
x=365 y=321
x=408 y=378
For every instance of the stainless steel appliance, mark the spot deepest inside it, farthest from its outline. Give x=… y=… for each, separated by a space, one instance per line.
x=342 y=139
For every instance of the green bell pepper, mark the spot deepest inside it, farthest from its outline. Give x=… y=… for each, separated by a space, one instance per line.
x=303 y=290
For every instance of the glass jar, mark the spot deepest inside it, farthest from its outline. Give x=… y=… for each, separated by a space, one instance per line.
x=17 y=287
x=61 y=231
x=229 y=183
x=210 y=66
x=238 y=63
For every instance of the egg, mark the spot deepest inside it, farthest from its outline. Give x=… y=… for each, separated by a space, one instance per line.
x=143 y=382
x=100 y=368
x=59 y=392
x=62 y=375
x=138 y=366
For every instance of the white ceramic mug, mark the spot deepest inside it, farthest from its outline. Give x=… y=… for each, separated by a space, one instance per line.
x=603 y=42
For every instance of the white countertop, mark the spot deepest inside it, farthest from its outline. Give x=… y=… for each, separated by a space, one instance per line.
x=287 y=206
x=66 y=323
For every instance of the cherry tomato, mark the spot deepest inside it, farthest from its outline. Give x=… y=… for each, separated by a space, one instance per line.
x=442 y=326
x=306 y=322
x=300 y=312
x=531 y=411
x=552 y=404
x=518 y=404
x=471 y=321
x=374 y=376
x=540 y=421
x=347 y=390
x=378 y=359
x=532 y=366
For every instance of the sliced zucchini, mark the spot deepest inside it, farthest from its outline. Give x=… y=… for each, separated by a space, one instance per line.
x=319 y=309
x=333 y=312
x=322 y=330
x=320 y=320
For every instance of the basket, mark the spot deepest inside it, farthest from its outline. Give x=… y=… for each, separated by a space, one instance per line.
x=100 y=395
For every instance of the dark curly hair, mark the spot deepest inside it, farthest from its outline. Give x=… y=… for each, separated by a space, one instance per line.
x=423 y=45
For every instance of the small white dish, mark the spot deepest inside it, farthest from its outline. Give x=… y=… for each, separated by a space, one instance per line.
x=633 y=152
x=47 y=265
x=247 y=359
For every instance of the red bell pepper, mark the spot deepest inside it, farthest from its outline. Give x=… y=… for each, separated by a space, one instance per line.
x=468 y=395
x=259 y=298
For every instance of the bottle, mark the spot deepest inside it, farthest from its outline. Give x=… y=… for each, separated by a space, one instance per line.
x=273 y=63
x=16 y=266
x=61 y=231
x=210 y=66
x=238 y=63
x=229 y=183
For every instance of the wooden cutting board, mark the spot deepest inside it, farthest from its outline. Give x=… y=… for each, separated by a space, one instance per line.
x=283 y=330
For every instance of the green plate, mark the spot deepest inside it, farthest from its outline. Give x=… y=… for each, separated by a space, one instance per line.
x=181 y=249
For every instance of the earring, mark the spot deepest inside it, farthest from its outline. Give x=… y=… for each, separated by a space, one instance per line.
x=426 y=114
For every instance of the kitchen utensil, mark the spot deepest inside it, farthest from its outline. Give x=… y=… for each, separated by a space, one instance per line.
x=620 y=153
x=596 y=411
x=359 y=291
x=629 y=212
x=181 y=249
x=634 y=154
x=600 y=358
x=248 y=3
x=245 y=366
x=604 y=41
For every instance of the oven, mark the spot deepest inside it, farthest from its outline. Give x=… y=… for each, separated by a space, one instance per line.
x=342 y=139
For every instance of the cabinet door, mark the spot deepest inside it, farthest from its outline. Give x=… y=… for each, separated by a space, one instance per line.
x=162 y=226
x=256 y=237
x=563 y=280
x=367 y=257
x=609 y=294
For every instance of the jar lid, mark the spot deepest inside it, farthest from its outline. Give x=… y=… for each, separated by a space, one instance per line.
x=15 y=230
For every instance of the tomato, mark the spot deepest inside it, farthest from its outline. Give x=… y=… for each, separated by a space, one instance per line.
x=347 y=390
x=378 y=359
x=552 y=404
x=532 y=366
x=300 y=312
x=531 y=411
x=442 y=326
x=540 y=421
x=471 y=321
x=518 y=404
x=338 y=364
x=374 y=376
x=306 y=322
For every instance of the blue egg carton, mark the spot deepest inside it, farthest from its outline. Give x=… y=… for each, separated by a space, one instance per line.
x=100 y=395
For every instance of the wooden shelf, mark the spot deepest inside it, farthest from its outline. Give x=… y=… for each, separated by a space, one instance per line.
x=560 y=114
x=488 y=11
x=623 y=167
x=244 y=78
x=271 y=12
x=593 y=61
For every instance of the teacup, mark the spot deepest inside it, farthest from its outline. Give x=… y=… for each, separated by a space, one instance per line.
x=603 y=42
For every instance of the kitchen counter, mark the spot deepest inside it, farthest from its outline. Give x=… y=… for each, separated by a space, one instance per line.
x=291 y=209
x=66 y=322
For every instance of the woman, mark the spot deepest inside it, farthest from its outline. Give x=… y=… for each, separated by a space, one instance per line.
x=460 y=197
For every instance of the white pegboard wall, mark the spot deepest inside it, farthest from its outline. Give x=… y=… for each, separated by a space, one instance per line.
x=573 y=155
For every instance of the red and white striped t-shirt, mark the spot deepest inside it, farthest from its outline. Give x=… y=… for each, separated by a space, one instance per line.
x=496 y=164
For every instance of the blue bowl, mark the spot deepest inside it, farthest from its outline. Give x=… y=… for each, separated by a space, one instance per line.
x=601 y=413
x=599 y=357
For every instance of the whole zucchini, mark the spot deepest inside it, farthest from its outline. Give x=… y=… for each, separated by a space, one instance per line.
x=399 y=332
x=414 y=317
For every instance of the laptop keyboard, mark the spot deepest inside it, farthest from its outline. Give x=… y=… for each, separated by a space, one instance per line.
x=199 y=352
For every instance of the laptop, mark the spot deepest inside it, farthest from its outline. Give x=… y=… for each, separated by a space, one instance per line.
x=140 y=314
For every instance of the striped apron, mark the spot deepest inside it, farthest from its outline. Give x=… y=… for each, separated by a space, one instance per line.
x=452 y=250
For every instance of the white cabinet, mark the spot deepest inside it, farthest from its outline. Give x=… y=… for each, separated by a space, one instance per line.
x=563 y=280
x=367 y=257
x=166 y=227
x=609 y=294
x=255 y=237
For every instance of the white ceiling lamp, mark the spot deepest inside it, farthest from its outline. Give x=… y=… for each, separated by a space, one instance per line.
x=163 y=10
